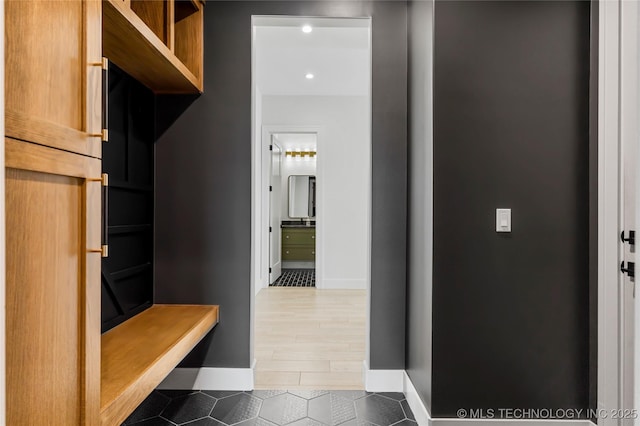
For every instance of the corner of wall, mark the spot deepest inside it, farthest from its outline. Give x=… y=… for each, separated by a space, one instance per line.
x=420 y=205
x=383 y=380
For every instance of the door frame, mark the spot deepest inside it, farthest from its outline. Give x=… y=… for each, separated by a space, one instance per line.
x=273 y=231
x=267 y=133
x=610 y=282
x=629 y=137
x=257 y=197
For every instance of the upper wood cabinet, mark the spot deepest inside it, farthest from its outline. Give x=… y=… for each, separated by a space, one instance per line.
x=158 y=42
x=53 y=70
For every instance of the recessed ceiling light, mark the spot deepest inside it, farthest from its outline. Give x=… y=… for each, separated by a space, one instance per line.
x=307 y=29
x=309 y=76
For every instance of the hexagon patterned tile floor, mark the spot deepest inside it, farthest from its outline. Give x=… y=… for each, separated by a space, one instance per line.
x=272 y=408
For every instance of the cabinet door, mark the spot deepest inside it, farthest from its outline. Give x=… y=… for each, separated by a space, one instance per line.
x=53 y=69
x=53 y=286
x=299 y=236
x=305 y=253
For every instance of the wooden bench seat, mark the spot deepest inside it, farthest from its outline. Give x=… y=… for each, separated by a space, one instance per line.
x=138 y=354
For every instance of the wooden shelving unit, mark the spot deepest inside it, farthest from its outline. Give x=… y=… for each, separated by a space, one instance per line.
x=158 y=42
x=58 y=363
x=139 y=353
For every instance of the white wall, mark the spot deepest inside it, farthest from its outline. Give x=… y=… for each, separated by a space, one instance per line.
x=343 y=179
x=257 y=196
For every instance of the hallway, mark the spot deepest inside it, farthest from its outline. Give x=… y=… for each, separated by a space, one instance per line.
x=309 y=339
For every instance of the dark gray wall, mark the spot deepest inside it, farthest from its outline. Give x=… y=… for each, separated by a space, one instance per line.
x=420 y=190
x=511 y=129
x=203 y=180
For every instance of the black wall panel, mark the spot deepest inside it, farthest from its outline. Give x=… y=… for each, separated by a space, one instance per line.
x=511 y=130
x=128 y=158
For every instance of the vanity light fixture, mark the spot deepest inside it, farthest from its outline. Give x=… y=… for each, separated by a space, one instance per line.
x=309 y=76
x=307 y=29
x=301 y=153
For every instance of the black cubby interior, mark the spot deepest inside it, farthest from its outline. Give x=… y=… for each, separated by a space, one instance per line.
x=128 y=158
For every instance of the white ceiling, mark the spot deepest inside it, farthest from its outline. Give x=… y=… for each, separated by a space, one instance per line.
x=336 y=53
x=296 y=141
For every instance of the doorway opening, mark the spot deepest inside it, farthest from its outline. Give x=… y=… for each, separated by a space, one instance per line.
x=311 y=236
x=292 y=210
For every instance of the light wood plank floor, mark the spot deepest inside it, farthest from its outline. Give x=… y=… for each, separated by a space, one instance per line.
x=309 y=339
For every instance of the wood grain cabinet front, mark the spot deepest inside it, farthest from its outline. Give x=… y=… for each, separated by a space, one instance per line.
x=53 y=144
x=298 y=244
x=53 y=285
x=53 y=73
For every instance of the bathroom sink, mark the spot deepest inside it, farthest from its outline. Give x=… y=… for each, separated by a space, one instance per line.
x=298 y=224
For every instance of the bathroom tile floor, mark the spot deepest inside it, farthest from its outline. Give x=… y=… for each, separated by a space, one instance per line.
x=273 y=408
x=296 y=278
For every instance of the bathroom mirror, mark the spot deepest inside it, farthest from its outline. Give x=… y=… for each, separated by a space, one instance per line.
x=302 y=197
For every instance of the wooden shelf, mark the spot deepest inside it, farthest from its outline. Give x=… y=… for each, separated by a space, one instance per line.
x=128 y=41
x=185 y=8
x=128 y=272
x=129 y=186
x=129 y=229
x=139 y=353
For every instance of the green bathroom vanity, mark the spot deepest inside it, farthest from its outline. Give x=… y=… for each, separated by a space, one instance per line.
x=298 y=243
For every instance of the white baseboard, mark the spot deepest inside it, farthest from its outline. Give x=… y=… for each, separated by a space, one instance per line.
x=206 y=378
x=339 y=284
x=423 y=417
x=420 y=411
x=383 y=380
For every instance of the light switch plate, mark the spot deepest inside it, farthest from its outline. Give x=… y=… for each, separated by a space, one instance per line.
x=503 y=220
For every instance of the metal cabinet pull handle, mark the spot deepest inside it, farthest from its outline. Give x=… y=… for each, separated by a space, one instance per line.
x=104 y=251
x=104 y=133
x=104 y=180
x=105 y=214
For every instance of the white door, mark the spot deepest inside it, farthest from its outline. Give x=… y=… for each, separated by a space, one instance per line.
x=275 y=213
x=629 y=115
